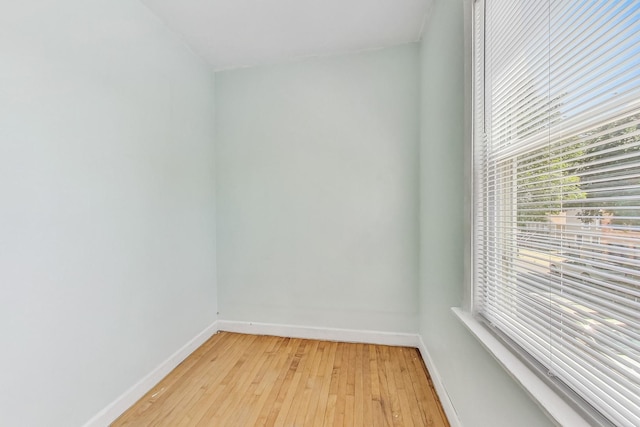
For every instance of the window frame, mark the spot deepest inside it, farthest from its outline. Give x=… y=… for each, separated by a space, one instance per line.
x=556 y=400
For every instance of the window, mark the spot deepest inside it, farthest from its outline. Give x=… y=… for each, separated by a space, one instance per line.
x=556 y=183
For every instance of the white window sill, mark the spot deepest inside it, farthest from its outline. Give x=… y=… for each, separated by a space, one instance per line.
x=553 y=405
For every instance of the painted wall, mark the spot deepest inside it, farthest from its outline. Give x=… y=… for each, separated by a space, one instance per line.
x=317 y=189
x=480 y=390
x=107 y=219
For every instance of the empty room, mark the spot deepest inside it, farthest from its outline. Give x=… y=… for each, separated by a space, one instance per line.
x=320 y=213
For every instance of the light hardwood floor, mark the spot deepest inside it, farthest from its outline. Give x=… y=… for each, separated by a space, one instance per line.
x=240 y=380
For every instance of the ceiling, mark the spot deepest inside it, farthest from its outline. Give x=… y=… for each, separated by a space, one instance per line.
x=239 y=33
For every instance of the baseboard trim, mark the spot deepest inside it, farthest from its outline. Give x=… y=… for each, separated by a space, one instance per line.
x=447 y=405
x=316 y=333
x=110 y=413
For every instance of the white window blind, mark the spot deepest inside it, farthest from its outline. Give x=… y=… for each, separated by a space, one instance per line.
x=557 y=191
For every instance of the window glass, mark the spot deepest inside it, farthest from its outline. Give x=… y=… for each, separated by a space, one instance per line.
x=557 y=190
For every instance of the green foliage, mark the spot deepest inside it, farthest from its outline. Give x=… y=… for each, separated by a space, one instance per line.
x=610 y=171
x=596 y=172
x=545 y=187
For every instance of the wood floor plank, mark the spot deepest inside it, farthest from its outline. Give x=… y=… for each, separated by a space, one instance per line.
x=358 y=397
x=334 y=387
x=405 y=417
x=386 y=397
x=367 y=406
x=270 y=414
x=338 y=418
x=414 y=401
x=166 y=396
x=241 y=380
x=290 y=404
x=300 y=398
x=238 y=389
x=428 y=396
x=208 y=385
x=250 y=397
x=327 y=376
x=316 y=384
x=351 y=387
x=271 y=385
x=201 y=410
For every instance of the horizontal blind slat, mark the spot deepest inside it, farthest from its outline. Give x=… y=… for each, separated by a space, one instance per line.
x=557 y=190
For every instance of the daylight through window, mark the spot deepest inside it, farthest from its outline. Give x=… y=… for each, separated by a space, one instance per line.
x=557 y=191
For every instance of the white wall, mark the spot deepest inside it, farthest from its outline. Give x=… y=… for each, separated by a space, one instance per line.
x=317 y=168
x=480 y=390
x=107 y=244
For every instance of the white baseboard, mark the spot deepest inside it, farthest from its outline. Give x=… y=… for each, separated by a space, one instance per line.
x=131 y=396
x=316 y=333
x=447 y=405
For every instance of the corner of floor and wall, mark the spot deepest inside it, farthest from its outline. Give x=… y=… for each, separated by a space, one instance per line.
x=148 y=203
